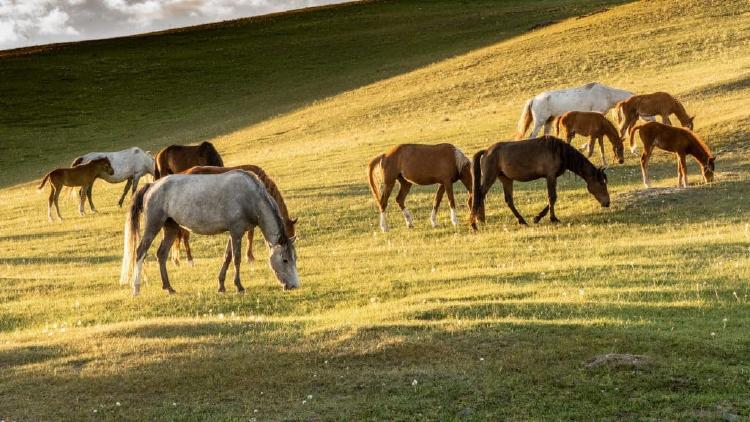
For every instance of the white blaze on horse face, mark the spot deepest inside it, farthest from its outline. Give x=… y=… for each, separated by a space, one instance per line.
x=409 y=219
x=433 y=218
x=454 y=218
x=383 y=222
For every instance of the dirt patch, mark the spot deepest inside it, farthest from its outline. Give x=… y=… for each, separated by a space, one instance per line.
x=617 y=360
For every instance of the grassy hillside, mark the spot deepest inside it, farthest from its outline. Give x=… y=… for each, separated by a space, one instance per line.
x=411 y=324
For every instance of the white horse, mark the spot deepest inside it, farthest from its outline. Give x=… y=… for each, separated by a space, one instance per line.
x=546 y=106
x=233 y=202
x=129 y=164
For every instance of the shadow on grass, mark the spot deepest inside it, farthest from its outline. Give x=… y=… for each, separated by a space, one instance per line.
x=36 y=260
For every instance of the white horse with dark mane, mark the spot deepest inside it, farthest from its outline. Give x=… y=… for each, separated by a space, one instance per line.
x=129 y=164
x=543 y=108
x=234 y=202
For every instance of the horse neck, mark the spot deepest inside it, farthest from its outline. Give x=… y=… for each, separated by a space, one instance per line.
x=698 y=150
x=269 y=220
x=584 y=169
x=611 y=132
x=680 y=112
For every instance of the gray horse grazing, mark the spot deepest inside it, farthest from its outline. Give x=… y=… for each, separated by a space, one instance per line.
x=129 y=164
x=235 y=201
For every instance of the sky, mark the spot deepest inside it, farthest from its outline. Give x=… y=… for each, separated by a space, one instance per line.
x=33 y=22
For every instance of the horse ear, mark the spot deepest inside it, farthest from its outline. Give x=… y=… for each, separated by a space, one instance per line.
x=292 y=239
x=294 y=221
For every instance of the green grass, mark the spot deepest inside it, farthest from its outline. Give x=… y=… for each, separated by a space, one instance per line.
x=495 y=325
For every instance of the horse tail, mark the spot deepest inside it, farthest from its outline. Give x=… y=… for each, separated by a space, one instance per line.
x=618 y=112
x=525 y=120
x=557 y=125
x=376 y=162
x=44 y=181
x=477 y=196
x=131 y=233
x=633 y=130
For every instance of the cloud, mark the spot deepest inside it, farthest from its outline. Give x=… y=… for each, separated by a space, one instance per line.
x=29 y=22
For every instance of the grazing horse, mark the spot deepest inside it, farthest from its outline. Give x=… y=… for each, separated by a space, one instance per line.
x=177 y=158
x=273 y=190
x=129 y=164
x=207 y=204
x=656 y=104
x=673 y=139
x=594 y=125
x=528 y=160
x=83 y=175
x=416 y=164
x=543 y=108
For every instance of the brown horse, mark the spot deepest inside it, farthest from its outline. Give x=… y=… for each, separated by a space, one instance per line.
x=176 y=158
x=272 y=189
x=416 y=164
x=673 y=139
x=83 y=175
x=596 y=126
x=656 y=104
x=528 y=160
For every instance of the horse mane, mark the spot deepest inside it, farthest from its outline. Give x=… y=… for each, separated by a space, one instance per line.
x=271 y=187
x=614 y=134
x=461 y=159
x=212 y=155
x=698 y=141
x=266 y=195
x=571 y=158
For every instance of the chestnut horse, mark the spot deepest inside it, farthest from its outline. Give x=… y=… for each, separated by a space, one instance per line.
x=82 y=175
x=656 y=104
x=272 y=189
x=596 y=126
x=528 y=160
x=673 y=139
x=176 y=158
x=416 y=164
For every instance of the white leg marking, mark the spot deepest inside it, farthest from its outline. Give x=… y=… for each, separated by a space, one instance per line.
x=454 y=218
x=634 y=149
x=433 y=218
x=137 y=277
x=383 y=223
x=409 y=219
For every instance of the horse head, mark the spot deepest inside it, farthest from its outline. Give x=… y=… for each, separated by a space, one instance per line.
x=283 y=262
x=708 y=169
x=597 y=186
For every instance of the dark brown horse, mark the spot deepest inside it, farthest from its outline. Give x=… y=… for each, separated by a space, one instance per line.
x=273 y=190
x=413 y=164
x=682 y=142
x=177 y=158
x=528 y=160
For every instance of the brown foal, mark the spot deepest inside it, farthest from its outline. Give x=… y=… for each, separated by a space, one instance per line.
x=83 y=175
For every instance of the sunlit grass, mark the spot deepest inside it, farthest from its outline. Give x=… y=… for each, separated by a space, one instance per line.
x=491 y=325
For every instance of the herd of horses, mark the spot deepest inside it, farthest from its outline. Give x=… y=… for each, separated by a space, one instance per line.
x=193 y=191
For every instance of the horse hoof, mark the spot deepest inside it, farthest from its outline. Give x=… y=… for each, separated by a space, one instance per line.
x=537 y=220
x=222 y=290
x=241 y=291
x=554 y=220
x=250 y=259
x=523 y=222
x=190 y=263
x=170 y=290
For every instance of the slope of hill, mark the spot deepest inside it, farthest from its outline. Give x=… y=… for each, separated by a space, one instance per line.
x=412 y=324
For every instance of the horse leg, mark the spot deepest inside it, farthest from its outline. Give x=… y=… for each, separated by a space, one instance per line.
x=82 y=200
x=225 y=266
x=647 y=149
x=149 y=234
x=58 y=189
x=590 y=145
x=551 y=199
x=89 y=192
x=50 y=201
x=682 y=171
x=125 y=192
x=237 y=255
x=538 y=123
x=548 y=126
x=401 y=197
x=250 y=235
x=508 y=193
x=186 y=241
x=665 y=119
x=176 y=249
x=171 y=231
x=451 y=201
x=436 y=204
x=387 y=188
x=601 y=150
